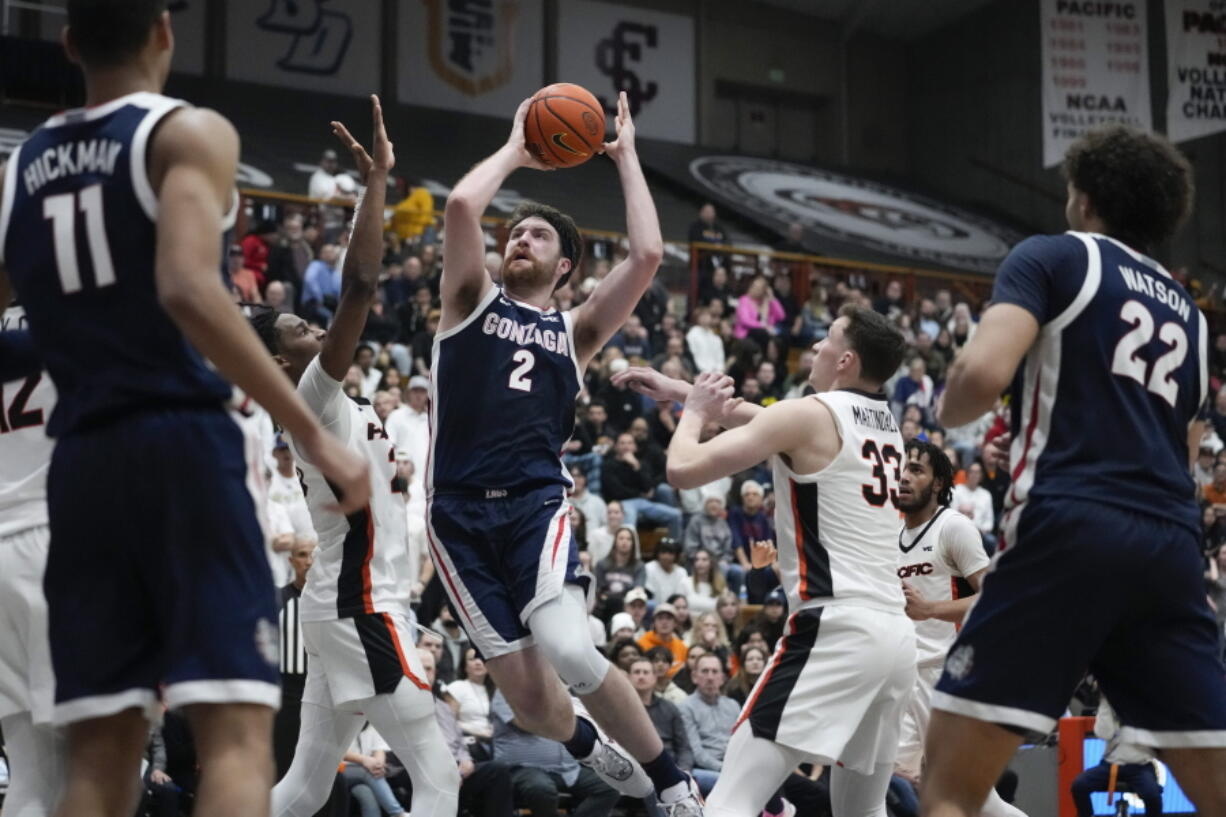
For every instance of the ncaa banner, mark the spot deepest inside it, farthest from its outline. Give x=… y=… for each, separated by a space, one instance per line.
x=1196 y=68
x=1095 y=70
x=477 y=56
x=647 y=54
x=329 y=46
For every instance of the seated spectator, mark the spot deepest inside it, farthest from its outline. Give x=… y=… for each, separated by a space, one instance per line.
x=1202 y=472
x=600 y=531
x=728 y=608
x=632 y=339
x=682 y=605
x=1133 y=766
x=685 y=678
x=709 y=718
x=160 y=794
x=663 y=576
x=622 y=626
x=751 y=636
x=773 y=616
x=433 y=642
x=587 y=499
x=717 y=294
x=542 y=768
x=916 y=389
x=665 y=717
x=706 y=581
x=751 y=523
x=243 y=280
x=973 y=501
x=710 y=531
x=705 y=345
x=1215 y=491
x=622 y=651
x=366 y=768
x=414 y=215
x=662 y=661
x=473 y=691
x=753 y=663
x=890 y=303
x=621 y=570
x=624 y=478
x=758 y=313
x=709 y=634
x=635 y=605
x=662 y=634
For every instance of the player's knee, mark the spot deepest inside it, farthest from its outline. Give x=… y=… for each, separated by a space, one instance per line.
x=578 y=663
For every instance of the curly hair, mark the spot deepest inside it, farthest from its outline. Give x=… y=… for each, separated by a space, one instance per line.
x=265 y=325
x=1139 y=183
x=942 y=468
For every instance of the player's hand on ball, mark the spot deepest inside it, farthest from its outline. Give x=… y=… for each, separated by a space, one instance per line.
x=382 y=156
x=519 y=144
x=624 y=143
x=648 y=381
x=763 y=554
x=918 y=607
x=711 y=396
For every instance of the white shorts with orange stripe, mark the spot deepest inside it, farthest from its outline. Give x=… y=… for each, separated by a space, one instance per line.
x=836 y=685
x=915 y=717
x=354 y=658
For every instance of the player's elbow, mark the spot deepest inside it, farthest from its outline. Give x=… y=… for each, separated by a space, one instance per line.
x=651 y=255
x=683 y=476
x=179 y=296
x=458 y=205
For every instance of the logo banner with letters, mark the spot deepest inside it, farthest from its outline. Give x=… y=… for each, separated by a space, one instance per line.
x=1095 y=69
x=647 y=54
x=1196 y=68
x=475 y=56
x=329 y=46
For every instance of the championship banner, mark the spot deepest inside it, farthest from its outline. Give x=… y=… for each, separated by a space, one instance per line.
x=648 y=54
x=1196 y=68
x=1095 y=70
x=329 y=46
x=479 y=56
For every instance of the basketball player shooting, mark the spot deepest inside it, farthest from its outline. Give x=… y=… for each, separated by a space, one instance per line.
x=354 y=605
x=833 y=691
x=506 y=374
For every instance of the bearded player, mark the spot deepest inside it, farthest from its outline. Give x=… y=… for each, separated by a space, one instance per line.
x=941 y=562
x=507 y=370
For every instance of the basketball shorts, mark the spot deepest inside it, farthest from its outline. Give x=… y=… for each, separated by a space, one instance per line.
x=835 y=687
x=1088 y=587
x=156 y=573
x=915 y=716
x=501 y=558
x=358 y=657
x=26 y=681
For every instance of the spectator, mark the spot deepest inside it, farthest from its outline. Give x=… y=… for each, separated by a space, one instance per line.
x=728 y=608
x=706 y=581
x=664 y=713
x=632 y=339
x=623 y=651
x=621 y=404
x=709 y=718
x=1215 y=491
x=758 y=313
x=622 y=626
x=961 y=326
x=242 y=280
x=579 y=452
x=277 y=299
x=750 y=523
x=408 y=427
x=1202 y=471
x=705 y=345
x=366 y=766
x=934 y=362
x=455 y=644
x=635 y=605
x=413 y=216
x=716 y=294
x=769 y=386
x=915 y=389
x=473 y=690
x=653 y=460
x=364 y=358
x=662 y=666
x=973 y=501
x=289 y=256
x=1133 y=766
x=542 y=768
x=160 y=795
x=664 y=576
x=321 y=286
x=707 y=230
x=621 y=570
x=623 y=478
x=423 y=344
x=710 y=634
x=890 y=303
x=663 y=634
x=771 y=619
x=750 y=636
x=587 y=501
x=329 y=185
x=257 y=245
x=600 y=532
x=710 y=531
x=427 y=640
x=753 y=663
x=685 y=677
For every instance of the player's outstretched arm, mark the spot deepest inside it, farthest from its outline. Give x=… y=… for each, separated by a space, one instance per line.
x=659 y=386
x=364 y=261
x=615 y=298
x=985 y=366
x=192 y=164
x=465 y=280
x=783 y=426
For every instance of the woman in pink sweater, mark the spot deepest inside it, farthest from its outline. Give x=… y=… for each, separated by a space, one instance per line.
x=757 y=311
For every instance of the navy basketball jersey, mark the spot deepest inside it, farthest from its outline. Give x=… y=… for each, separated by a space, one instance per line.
x=502 y=405
x=78 y=232
x=1102 y=404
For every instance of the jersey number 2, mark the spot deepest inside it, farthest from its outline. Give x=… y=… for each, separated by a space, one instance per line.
x=1125 y=362
x=62 y=212
x=876 y=495
x=519 y=376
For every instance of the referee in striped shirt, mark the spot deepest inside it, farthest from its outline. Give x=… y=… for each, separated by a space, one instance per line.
x=293 y=658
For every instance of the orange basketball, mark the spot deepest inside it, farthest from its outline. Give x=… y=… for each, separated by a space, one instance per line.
x=564 y=126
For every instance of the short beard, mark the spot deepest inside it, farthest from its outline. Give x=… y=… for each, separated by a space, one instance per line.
x=537 y=276
x=920 y=502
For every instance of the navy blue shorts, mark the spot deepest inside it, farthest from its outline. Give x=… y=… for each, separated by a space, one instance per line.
x=157 y=572
x=1088 y=587
x=502 y=557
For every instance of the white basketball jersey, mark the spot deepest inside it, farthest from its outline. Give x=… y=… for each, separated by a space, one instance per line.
x=932 y=558
x=25 y=448
x=836 y=529
x=361 y=560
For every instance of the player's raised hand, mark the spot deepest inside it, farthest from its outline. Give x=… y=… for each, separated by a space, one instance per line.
x=517 y=142
x=763 y=554
x=346 y=470
x=655 y=385
x=710 y=397
x=382 y=156
x=623 y=145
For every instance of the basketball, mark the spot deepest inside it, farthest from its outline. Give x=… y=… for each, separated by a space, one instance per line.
x=564 y=126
